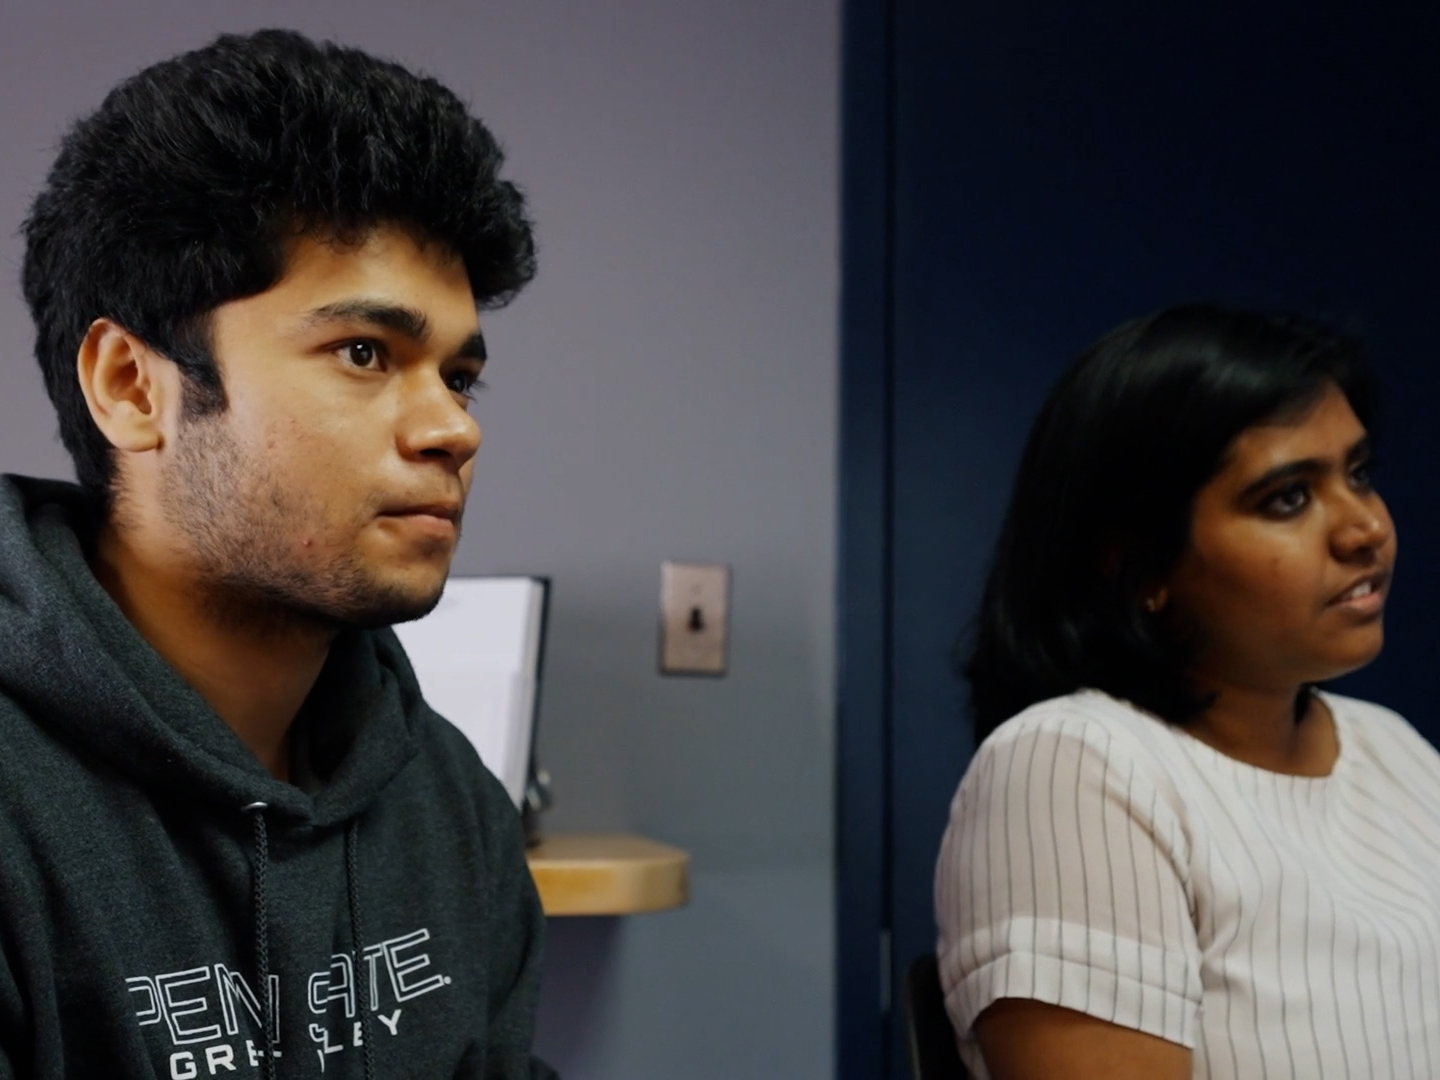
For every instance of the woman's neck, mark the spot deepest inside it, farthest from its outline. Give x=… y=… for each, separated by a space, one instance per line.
x=1265 y=728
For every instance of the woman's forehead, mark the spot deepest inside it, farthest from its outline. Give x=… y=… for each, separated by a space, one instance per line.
x=1325 y=428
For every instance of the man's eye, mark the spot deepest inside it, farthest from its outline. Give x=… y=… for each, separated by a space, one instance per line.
x=361 y=353
x=464 y=382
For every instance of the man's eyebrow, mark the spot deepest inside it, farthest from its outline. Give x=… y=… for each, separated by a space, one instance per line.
x=473 y=348
x=404 y=320
x=1304 y=467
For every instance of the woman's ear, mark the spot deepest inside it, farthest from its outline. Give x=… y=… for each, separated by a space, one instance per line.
x=1111 y=555
x=1153 y=592
x=127 y=386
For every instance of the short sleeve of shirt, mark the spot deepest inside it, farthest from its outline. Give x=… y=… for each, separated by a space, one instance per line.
x=1062 y=878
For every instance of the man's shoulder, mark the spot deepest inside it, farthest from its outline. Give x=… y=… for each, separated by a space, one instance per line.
x=447 y=754
x=23 y=732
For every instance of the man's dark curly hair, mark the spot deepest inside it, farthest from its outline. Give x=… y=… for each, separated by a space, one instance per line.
x=181 y=191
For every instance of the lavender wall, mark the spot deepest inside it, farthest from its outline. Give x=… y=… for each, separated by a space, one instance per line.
x=666 y=389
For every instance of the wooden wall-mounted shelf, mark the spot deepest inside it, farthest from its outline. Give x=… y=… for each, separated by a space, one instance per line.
x=608 y=875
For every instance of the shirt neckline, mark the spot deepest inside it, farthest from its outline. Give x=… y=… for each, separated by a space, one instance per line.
x=1341 y=765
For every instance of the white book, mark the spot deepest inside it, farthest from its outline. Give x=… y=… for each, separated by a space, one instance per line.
x=477 y=656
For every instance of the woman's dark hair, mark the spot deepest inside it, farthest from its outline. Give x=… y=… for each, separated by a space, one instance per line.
x=1102 y=502
x=181 y=191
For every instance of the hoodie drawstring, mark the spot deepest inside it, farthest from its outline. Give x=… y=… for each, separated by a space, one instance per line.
x=262 y=933
x=357 y=939
x=262 y=929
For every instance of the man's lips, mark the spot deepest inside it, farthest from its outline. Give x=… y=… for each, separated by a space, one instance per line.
x=438 y=520
x=447 y=510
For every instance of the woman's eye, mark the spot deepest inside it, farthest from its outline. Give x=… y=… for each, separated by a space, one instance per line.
x=1362 y=476
x=1288 y=500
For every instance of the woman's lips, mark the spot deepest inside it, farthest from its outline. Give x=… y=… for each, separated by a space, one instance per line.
x=1364 y=597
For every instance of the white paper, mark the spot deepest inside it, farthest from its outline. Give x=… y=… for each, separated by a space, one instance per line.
x=476 y=656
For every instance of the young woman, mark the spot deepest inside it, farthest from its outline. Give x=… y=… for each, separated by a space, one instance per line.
x=1175 y=856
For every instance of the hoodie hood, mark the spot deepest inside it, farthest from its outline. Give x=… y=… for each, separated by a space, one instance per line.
x=69 y=656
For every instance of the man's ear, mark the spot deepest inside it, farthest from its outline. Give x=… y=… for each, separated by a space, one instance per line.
x=128 y=386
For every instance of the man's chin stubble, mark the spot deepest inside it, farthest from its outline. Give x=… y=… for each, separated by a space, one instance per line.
x=262 y=607
x=236 y=514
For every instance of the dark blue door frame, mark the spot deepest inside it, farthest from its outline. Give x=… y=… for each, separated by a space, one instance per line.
x=863 y=966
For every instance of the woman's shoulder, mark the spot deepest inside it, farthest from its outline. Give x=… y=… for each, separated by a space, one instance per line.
x=1368 y=713
x=1105 y=724
x=1374 y=731
x=1099 y=736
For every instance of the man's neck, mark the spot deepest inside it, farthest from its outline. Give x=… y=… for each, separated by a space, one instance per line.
x=1260 y=727
x=254 y=675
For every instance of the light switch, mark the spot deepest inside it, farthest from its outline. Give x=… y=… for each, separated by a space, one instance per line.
x=694 y=618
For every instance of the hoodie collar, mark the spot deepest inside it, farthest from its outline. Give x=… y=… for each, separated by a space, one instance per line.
x=70 y=658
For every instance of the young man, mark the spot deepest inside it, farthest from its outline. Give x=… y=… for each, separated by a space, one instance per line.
x=233 y=838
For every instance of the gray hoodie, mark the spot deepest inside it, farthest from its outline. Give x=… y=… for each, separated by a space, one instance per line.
x=155 y=879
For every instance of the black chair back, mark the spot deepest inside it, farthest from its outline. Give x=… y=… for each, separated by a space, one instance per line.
x=929 y=1035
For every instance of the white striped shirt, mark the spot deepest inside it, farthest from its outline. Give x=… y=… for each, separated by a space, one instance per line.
x=1279 y=926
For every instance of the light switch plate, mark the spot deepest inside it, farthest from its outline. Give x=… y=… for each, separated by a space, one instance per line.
x=694 y=618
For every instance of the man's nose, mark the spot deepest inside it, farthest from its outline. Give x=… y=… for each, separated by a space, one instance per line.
x=433 y=425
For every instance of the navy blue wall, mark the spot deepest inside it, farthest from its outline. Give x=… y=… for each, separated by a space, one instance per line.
x=1052 y=176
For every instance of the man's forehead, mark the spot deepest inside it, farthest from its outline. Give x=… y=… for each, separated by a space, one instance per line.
x=389 y=277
